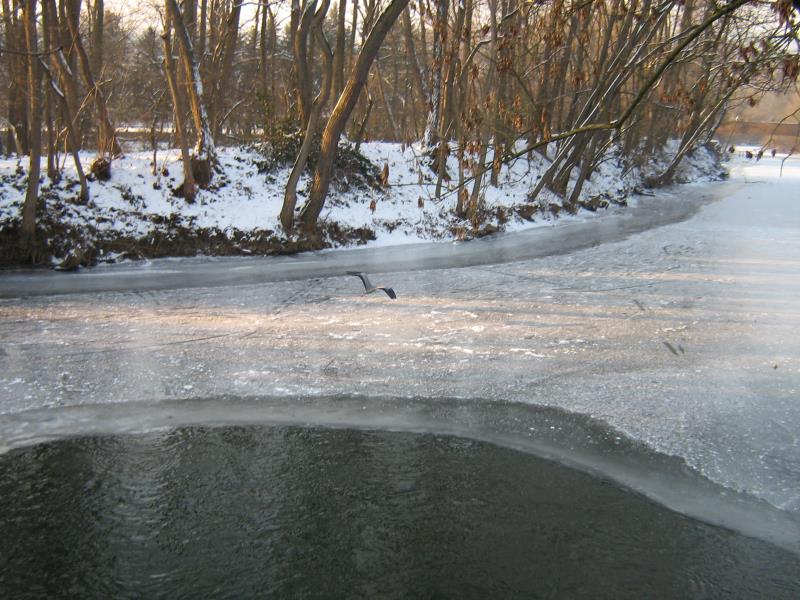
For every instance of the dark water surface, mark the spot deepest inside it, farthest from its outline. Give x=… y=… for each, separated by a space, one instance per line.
x=308 y=512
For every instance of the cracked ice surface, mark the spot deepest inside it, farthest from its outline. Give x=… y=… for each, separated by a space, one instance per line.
x=683 y=337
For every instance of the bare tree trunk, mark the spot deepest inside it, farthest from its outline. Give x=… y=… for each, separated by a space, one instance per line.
x=84 y=194
x=589 y=161
x=691 y=136
x=290 y=194
x=293 y=97
x=98 y=19
x=431 y=136
x=272 y=45
x=452 y=61
x=461 y=107
x=255 y=32
x=66 y=93
x=17 y=80
x=351 y=46
x=301 y=66
x=52 y=166
x=262 y=46
x=96 y=64
x=359 y=137
x=179 y=109
x=156 y=128
x=35 y=122
x=205 y=154
x=386 y=103
x=500 y=134
x=67 y=16
x=14 y=135
x=190 y=18
x=108 y=137
x=416 y=69
x=338 y=55
x=483 y=135
x=230 y=42
x=446 y=117
x=201 y=38
x=342 y=111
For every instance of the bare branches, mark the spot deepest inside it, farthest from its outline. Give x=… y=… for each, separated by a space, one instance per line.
x=494 y=80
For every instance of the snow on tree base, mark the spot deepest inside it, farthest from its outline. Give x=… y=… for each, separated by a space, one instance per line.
x=135 y=213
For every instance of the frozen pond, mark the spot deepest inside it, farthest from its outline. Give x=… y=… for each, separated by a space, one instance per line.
x=680 y=339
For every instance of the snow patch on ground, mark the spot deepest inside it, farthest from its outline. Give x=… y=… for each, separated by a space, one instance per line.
x=138 y=203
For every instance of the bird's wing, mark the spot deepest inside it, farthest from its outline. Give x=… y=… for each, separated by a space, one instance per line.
x=389 y=292
x=362 y=277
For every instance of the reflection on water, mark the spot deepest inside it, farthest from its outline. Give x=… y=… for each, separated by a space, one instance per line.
x=289 y=511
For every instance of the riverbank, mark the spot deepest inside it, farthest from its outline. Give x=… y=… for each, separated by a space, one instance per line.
x=385 y=199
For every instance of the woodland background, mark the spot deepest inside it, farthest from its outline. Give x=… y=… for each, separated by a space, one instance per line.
x=483 y=82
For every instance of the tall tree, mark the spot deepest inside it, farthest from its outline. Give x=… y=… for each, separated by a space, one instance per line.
x=339 y=55
x=98 y=29
x=431 y=137
x=64 y=87
x=484 y=131
x=224 y=57
x=205 y=160
x=188 y=187
x=17 y=73
x=290 y=194
x=107 y=140
x=35 y=124
x=300 y=43
x=342 y=111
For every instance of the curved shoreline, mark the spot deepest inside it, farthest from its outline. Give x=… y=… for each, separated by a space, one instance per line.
x=303 y=511
x=572 y=440
x=667 y=207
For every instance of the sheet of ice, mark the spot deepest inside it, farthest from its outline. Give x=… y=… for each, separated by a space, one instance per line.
x=682 y=337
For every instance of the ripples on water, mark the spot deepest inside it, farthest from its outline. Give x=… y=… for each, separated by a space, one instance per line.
x=289 y=511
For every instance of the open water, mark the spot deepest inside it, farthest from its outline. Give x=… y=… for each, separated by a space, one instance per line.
x=284 y=511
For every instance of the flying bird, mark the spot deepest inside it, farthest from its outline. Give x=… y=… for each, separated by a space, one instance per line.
x=372 y=288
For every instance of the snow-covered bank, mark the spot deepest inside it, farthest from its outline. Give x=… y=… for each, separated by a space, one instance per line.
x=679 y=337
x=136 y=214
